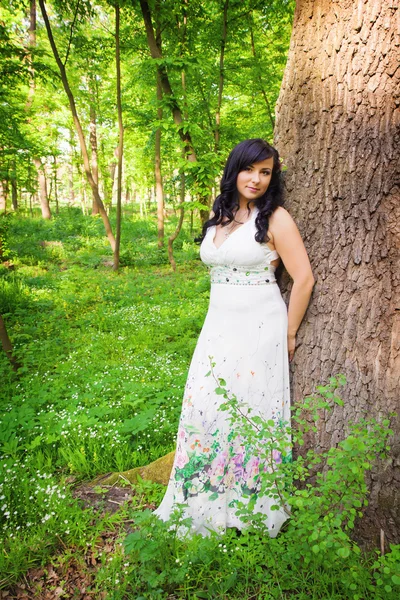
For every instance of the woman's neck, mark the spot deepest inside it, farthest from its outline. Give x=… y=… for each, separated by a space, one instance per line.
x=243 y=206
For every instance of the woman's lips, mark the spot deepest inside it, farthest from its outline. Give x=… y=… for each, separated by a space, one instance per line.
x=252 y=189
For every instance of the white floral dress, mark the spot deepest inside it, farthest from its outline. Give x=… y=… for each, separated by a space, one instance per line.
x=245 y=333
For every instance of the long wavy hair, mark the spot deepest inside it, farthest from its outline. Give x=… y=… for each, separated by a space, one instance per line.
x=226 y=203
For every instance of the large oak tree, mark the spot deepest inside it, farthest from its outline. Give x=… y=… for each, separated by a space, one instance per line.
x=337 y=128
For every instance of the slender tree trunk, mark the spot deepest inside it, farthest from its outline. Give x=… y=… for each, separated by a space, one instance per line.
x=155 y=52
x=259 y=78
x=120 y=138
x=6 y=345
x=157 y=165
x=14 y=189
x=71 y=183
x=3 y=197
x=42 y=181
x=112 y=170
x=178 y=228
x=157 y=169
x=94 y=156
x=84 y=205
x=55 y=166
x=31 y=44
x=337 y=127
x=221 y=76
x=78 y=127
x=14 y=194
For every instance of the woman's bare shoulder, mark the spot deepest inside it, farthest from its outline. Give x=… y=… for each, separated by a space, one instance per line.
x=281 y=216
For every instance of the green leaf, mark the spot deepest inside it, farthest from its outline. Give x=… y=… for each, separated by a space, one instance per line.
x=343 y=552
x=220 y=391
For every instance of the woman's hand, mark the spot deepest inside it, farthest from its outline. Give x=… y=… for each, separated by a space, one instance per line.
x=291 y=346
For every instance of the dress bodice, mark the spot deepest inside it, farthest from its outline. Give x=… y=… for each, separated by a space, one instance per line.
x=240 y=259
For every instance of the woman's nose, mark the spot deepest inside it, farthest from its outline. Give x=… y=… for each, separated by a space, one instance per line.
x=255 y=177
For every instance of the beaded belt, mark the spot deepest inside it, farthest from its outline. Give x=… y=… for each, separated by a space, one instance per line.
x=242 y=275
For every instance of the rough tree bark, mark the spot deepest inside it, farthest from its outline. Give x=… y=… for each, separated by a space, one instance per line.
x=337 y=129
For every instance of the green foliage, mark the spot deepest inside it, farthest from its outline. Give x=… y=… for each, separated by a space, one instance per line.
x=105 y=359
x=36 y=120
x=312 y=555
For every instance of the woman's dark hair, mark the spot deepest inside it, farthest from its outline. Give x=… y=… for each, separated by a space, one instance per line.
x=227 y=202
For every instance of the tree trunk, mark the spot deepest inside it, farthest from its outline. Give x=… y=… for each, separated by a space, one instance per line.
x=71 y=183
x=94 y=156
x=120 y=139
x=337 y=128
x=112 y=169
x=173 y=237
x=3 y=197
x=44 y=199
x=6 y=345
x=78 y=127
x=82 y=196
x=42 y=183
x=259 y=78
x=221 y=76
x=155 y=52
x=157 y=170
x=14 y=189
x=31 y=44
x=55 y=166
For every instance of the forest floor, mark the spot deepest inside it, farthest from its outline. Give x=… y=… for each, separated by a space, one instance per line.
x=104 y=359
x=71 y=572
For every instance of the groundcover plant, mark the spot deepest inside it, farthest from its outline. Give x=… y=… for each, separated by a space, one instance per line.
x=103 y=362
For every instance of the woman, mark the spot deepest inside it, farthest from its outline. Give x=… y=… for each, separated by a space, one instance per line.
x=248 y=336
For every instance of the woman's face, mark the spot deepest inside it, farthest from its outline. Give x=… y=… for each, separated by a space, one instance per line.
x=254 y=180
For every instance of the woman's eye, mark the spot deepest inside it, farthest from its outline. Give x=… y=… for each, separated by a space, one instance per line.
x=266 y=172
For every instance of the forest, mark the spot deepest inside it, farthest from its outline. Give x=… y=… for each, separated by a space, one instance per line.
x=116 y=119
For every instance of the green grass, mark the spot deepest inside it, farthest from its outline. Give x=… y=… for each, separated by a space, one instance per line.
x=104 y=360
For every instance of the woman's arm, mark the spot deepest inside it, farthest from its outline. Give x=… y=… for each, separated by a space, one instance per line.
x=290 y=247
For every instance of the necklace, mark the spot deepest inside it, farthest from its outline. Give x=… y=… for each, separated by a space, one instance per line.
x=232 y=228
